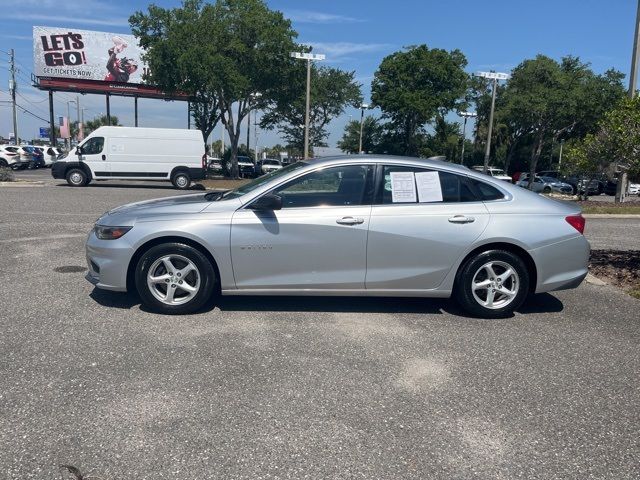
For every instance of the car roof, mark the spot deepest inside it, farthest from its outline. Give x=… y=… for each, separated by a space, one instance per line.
x=395 y=159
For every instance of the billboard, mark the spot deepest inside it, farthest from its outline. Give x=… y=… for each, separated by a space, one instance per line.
x=86 y=55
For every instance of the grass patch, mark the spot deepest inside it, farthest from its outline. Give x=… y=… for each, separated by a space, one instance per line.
x=224 y=183
x=6 y=175
x=619 y=208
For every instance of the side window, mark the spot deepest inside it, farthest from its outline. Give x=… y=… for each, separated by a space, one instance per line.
x=447 y=186
x=485 y=191
x=93 y=146
x=334 y=186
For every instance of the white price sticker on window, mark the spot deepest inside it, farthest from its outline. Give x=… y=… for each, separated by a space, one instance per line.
x=403 y=187
x=429 y=189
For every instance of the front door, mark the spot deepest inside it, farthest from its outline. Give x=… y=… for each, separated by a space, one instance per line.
x=317 y=241
x=94 y=154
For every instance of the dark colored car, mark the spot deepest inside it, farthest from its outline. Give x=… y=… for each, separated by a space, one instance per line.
x=611 y=187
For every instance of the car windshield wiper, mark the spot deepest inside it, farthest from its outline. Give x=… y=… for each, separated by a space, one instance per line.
x=213 y=196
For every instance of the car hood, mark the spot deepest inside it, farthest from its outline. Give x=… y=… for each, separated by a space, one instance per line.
x=165 y=208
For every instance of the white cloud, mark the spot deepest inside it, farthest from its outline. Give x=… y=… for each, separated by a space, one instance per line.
x=337 y=50
x=308 y=16
x=37 y=17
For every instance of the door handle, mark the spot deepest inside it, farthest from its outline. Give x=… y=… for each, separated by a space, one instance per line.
x=104 y=157
x=350 y=220
x=461 y=219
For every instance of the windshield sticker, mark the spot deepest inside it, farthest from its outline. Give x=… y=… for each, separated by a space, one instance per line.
x=429 y=189
x=403 y=187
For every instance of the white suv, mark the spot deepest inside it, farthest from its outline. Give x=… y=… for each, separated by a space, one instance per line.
x=10 y=157
x=498 y=173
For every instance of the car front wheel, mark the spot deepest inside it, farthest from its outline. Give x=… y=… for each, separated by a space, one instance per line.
x=174 y=278
x=492 y=284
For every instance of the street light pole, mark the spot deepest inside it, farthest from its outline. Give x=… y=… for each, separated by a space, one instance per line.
x=362 y=107
x=495 y=76
x=466 y=116
x=308 y=57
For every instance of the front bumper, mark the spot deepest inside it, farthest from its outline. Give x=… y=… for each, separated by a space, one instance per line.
x=108 y=262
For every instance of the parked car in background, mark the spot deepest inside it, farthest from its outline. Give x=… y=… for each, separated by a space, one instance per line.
x=545 y=185
x=51 y=154
x=268 y=165
x=404 y=227
x=634 y=189
x=129 y=153
x=214 y=165
x=246 y=167
x=611 y=187
x=10 y=157
x=498 y=173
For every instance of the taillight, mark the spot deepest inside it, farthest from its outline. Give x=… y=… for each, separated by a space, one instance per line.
x=204 y=161
x=577 y=222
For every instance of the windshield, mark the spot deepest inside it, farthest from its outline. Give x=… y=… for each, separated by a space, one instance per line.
x=258 y=182
x=549 y=179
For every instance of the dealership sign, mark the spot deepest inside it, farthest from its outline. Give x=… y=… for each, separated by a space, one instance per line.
x=86 y=55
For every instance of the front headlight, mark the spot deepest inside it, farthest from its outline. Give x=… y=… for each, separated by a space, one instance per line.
x=110 y=233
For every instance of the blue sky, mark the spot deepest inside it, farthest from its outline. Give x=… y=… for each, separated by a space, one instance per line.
x=354 y=35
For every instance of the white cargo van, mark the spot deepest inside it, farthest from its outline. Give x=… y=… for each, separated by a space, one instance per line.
x=126 y=153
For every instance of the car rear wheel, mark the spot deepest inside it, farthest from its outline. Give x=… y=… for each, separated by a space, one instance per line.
x=492 y=284
x=181 y=180
x=76 y=177
x=174 y=279
x=546 y=190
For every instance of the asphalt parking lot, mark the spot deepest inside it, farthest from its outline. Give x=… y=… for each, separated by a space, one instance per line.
x=300 y=387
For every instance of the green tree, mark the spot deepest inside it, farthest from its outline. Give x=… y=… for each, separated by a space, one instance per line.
x=547 y=100
x=228 y=55
x=445 y=140
x=95 y=123
x=332 y=90
x=613 y=148
x=412 y=86
x=180 y=58
x=371 y=136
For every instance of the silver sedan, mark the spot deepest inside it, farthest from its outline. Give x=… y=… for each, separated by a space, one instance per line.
x=348 y=225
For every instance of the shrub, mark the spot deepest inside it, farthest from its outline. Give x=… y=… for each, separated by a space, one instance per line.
x=6 y=175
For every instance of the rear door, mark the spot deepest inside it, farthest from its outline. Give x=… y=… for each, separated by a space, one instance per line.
x=420 y=225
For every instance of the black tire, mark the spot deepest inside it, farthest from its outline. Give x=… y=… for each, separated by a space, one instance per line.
x=546 y=190
x=76 y=177
x=181 y=180
x=208 y=280
x=3 y=163
x=464 y=293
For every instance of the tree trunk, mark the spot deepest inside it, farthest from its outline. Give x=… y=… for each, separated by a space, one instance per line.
x=621 y=188
x=535 y=155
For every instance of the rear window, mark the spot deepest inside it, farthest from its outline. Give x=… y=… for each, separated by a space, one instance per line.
x=485 y=191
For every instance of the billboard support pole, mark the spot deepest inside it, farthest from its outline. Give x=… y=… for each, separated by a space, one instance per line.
x=108 y=110
x=189 y=115
x=135 y=110
x=52 y=125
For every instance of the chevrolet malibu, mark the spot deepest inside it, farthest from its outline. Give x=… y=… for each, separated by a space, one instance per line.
x=348 y=225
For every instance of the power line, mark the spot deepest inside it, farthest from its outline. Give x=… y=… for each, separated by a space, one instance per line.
x=24 y=110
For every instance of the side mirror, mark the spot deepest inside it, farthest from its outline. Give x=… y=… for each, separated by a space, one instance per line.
x=79 y=151
x=270 y=201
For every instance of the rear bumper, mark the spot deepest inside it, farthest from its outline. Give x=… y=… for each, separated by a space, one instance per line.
x=562 y=265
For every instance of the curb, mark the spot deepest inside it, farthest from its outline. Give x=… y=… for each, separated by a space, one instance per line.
x=593 y=280
x=22 y=184
x=611 y=215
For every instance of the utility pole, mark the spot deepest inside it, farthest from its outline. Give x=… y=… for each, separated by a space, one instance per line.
x=308 y=57
x=12 y=89
x=466 y=116
x=633 y=77
x=78 y=137
x=621 y=188
x=362 y=107
x=495 y=76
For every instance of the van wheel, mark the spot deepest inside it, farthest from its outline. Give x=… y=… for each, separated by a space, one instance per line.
x=174 y=278
x=492 y=284
x=77 y=178
x=181 y=180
